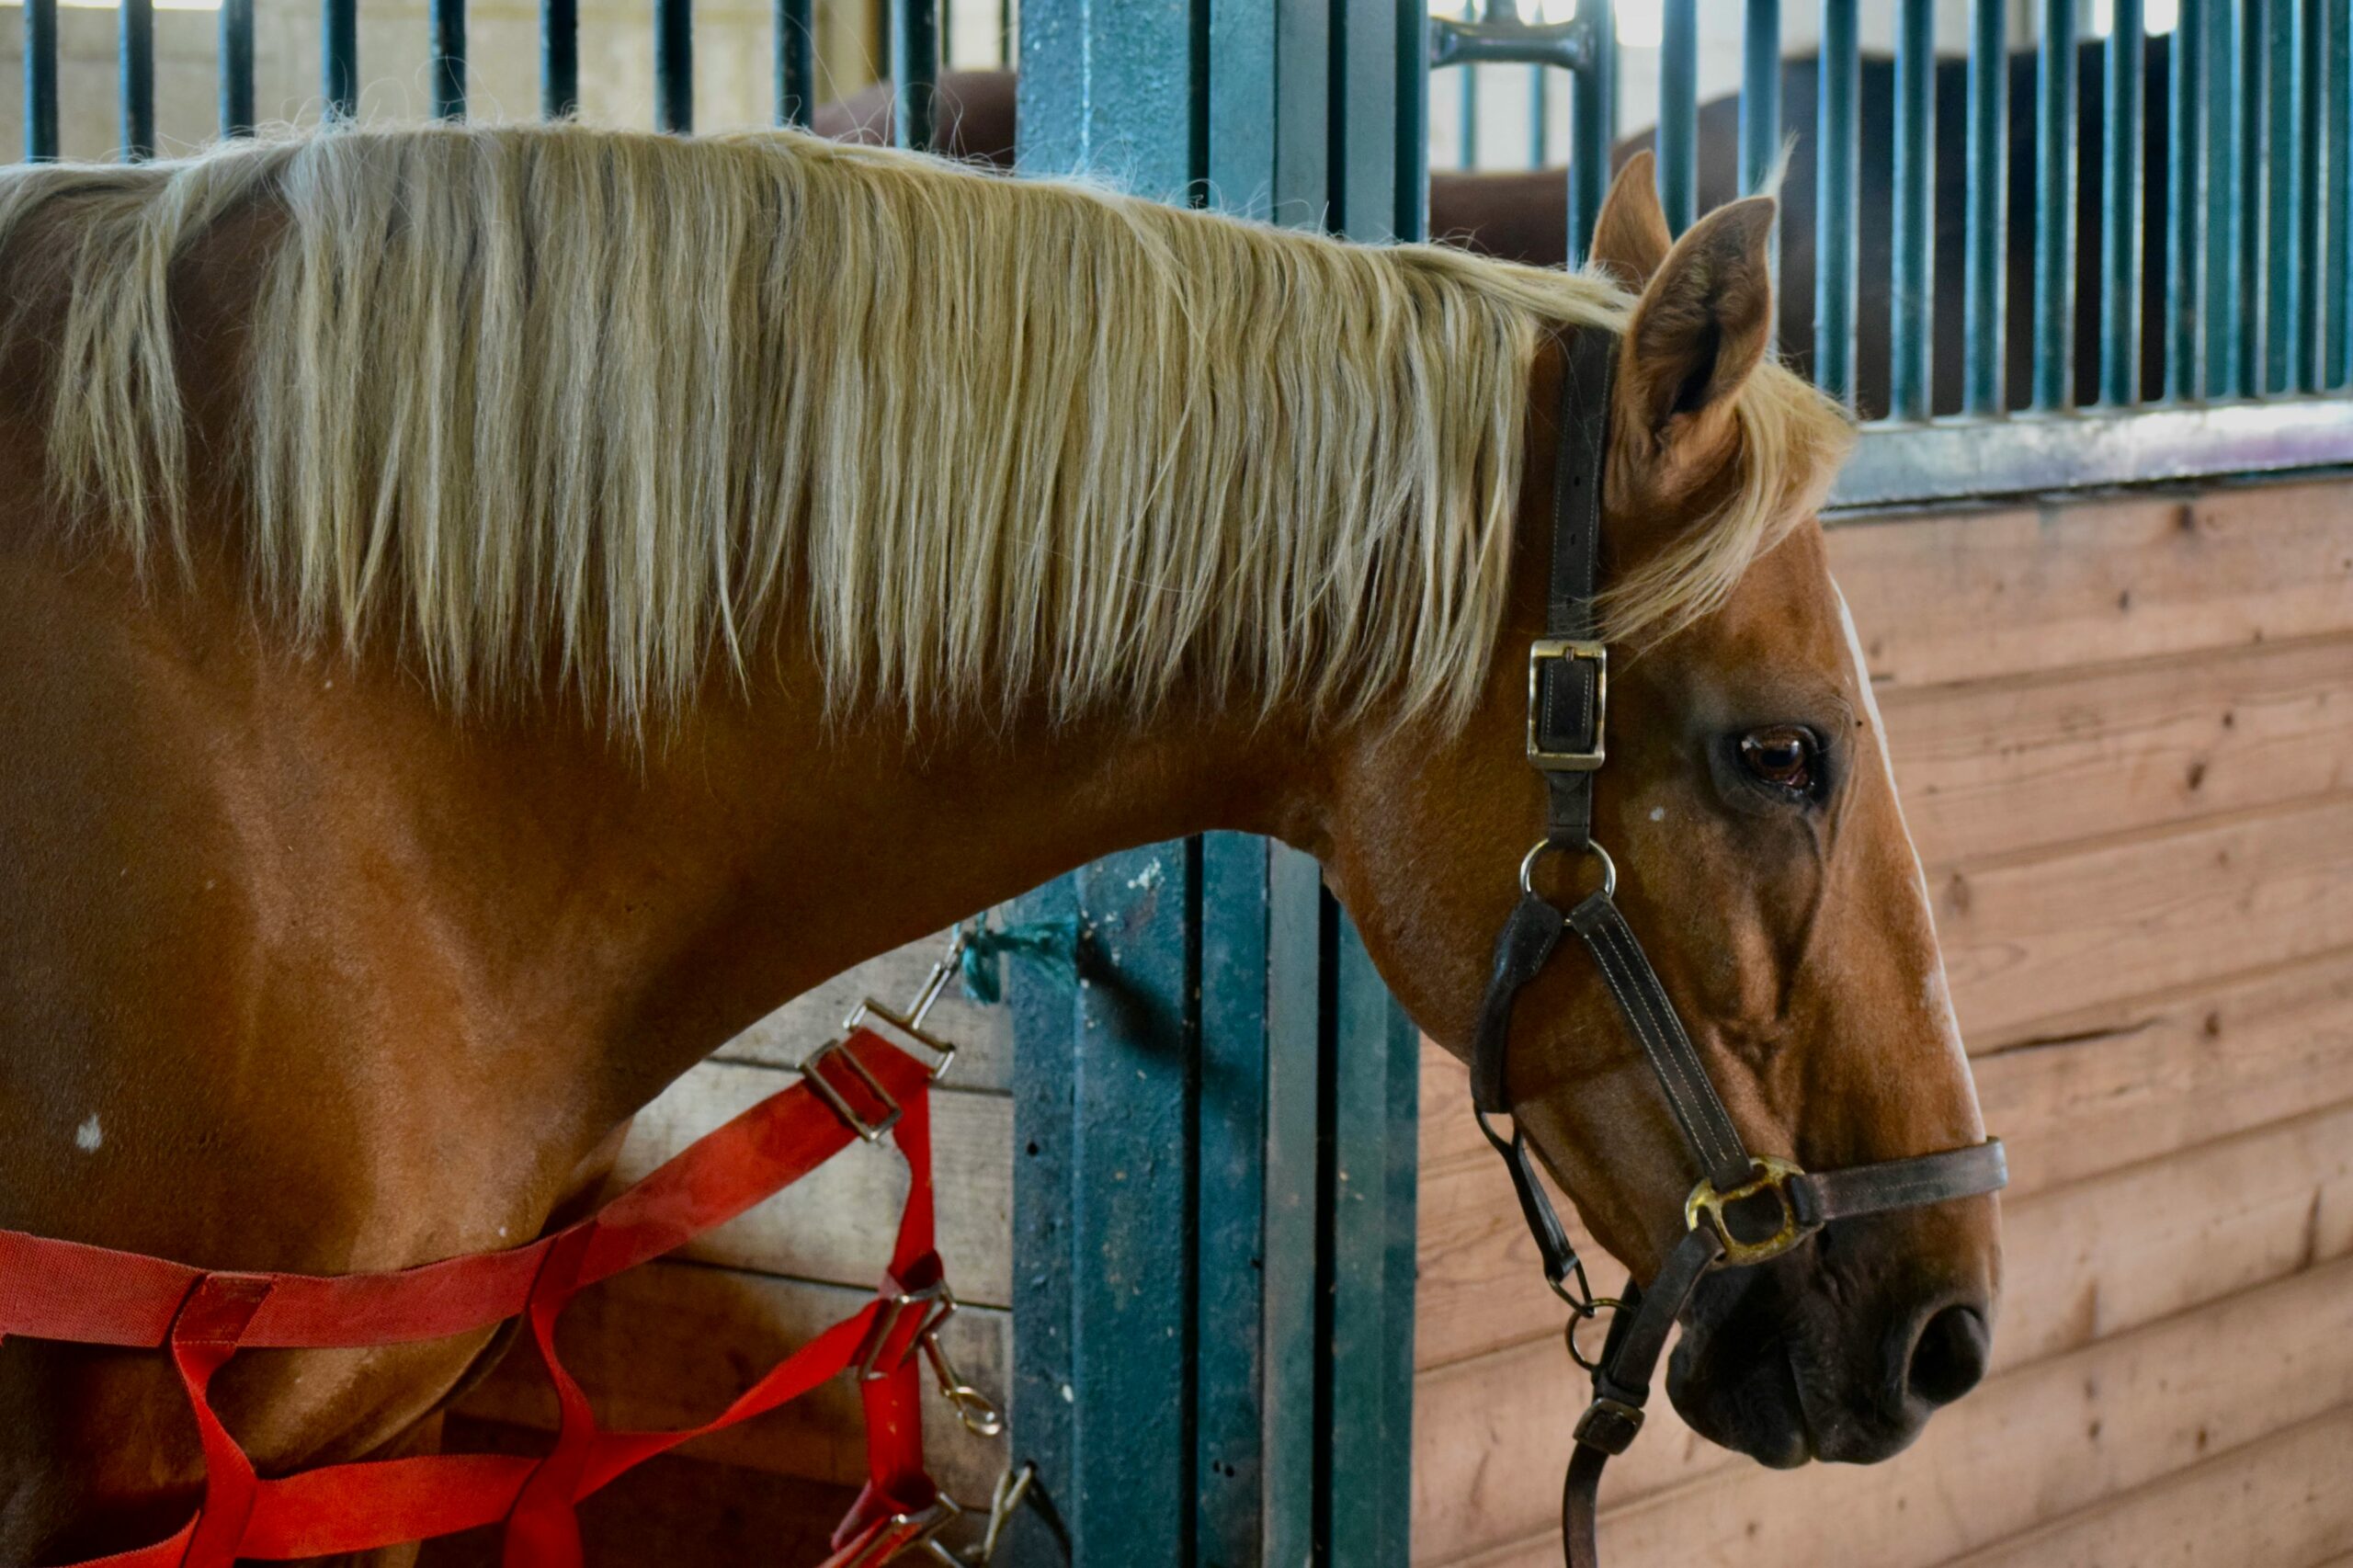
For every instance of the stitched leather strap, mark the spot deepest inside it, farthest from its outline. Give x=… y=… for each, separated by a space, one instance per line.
x=1569 y=698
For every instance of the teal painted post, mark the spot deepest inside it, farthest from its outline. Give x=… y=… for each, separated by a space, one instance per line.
x=1837 y=154
x=2120 y=227
x=915 y=72
x=2283 y=192
x=2054 y=202
x=2248 y=226
x=2307 y=343
x=1364 y=119
x=2225 y=204
x=1913 y=301
x=1986 y=269
x=1678 y=112
x=2339 y=275
x=2185 y=201
x=135 y=77
x=1593 y=124
x=339 y=57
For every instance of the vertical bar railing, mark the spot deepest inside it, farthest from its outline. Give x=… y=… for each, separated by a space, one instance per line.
x=673 y=66
x=1760 y=110
x=446 y=59
x=135 y=77
x=1539 y=116
x=2185 y=201
x=1678 y=113
x=2120 y=226
x=236 y=46
x=2225 y=206
x=2054 y=200
x=2283 y=190
x=2307 y=340
x=915 y=72
x=1837 y=157
x=1912 y=299
x=1593 y=124
x=796 y=61
x=559 y=59
x=41 y=81
x=2248 y=225
x=2338 y=277
x=1466 y=110
x=1985 y=259
x=339 y=57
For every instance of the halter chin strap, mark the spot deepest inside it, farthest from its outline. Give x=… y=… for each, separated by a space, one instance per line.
x=1568 y=694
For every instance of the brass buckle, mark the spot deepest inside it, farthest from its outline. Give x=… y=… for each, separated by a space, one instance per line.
x=810 y=1072
x=1563 y=650
x=1772 y=1176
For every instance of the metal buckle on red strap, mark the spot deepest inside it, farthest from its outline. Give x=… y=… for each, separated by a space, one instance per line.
x=871 y=1129
x=938 y=1303
x=894 y=1537
x=908 y=1025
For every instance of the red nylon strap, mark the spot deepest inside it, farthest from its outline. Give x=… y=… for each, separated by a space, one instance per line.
x=71 y=1291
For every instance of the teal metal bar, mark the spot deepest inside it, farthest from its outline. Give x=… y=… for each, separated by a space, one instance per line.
x=2283 y=194
x=1985 y=259
x=1294 y=1419
x=1413 y=119
x=1837 y=152
x=559 y=59
x=1467 y=118
x=2252 y=232
x=236 y=47
x=673 y=66
x=2225 y=206
x=915 y=72
x=135 y=77
x=2120 y=226
x=1593 y=124
x=339 y=57
x=796 y=61
x=1539 y=116
x=2307 y=342
x=1364 y=121
x=444 y=63
x=1760 y=109
x=1678 y=112
x=2186 y=67
x=1912 y=299
x=2054 y=223
x=41 y=81
x=2339 y=275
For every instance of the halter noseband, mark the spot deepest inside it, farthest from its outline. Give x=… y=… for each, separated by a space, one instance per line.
x=1568 y=688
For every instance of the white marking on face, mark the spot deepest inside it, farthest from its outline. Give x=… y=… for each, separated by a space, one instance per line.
x=89 y=1135
x=1658 y=813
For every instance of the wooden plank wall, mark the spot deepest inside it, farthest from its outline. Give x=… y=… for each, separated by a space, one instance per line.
x=2125 y=733
x=670 y=1344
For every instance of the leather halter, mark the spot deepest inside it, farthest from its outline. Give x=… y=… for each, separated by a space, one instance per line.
x=1567 y=700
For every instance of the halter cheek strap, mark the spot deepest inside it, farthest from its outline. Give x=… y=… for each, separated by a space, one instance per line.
x=1568 y=694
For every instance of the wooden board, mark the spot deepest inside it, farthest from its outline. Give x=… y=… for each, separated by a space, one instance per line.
x=837 y=1224
x=670 y=1344
x=1992 y=767
x=1972 y=596
x=2275 y=1503
x=2134 y=1409
x=983 y=1036
x=2027 y=938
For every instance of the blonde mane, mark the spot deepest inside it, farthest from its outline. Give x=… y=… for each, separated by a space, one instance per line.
x=625 y=404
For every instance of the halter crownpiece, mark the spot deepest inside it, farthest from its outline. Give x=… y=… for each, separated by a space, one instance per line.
x=1568 y=693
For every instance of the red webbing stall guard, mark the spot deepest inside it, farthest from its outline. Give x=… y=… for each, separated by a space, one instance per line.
x=860 y=1086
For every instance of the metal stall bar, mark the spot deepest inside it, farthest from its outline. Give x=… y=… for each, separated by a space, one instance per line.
x=236 y=46
x=2054 y=219
x=2338 y=137
x=1986 y=259
x=2185 y=201
x=1761 y=110
x=1593 y=123
x=2283 y=194
x=915 y=72
x=1467 y=121
x=2120 y=225
x=339 y=57
x=796 y=61
x=673 y=66
x=41 y=81
x=2226 y=207
x=559 y=59
x=2248 y=225
x=1539 y=116
x=446 y=59
x=1911 y=301
x=1678 y=113
x=2308 y=344
x=135 y=77
x=1837 y=155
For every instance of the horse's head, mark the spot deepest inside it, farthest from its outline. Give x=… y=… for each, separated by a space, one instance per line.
x=1764 y=863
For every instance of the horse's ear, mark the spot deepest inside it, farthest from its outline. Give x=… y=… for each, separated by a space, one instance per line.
x=1703 y=322
x=1630 y=237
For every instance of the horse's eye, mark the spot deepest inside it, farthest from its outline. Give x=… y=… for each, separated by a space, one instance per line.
x=1785 y=757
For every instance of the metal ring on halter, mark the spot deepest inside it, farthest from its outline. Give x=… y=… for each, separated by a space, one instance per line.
x=1528 y=866
x=1576 y=1352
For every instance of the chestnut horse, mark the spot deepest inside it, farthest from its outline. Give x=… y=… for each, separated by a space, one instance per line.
x=489 y=614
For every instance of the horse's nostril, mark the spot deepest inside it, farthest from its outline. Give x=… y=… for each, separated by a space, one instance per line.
x=1949 y=1355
